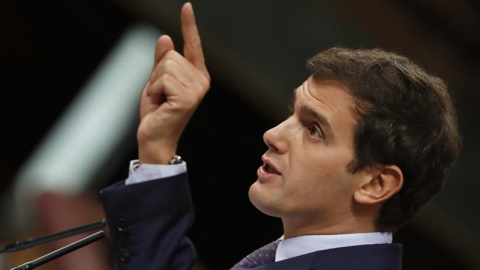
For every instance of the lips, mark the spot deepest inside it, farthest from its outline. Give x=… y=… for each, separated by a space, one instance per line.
x=269 y=167
x=268 y=171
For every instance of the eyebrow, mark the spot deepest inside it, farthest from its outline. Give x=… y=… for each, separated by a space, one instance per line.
x=318 y=117
x=306 y=110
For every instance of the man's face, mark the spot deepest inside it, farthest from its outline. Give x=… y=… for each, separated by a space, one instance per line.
x=304 y=179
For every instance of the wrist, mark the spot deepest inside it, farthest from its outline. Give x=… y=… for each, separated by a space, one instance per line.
x=156 y=154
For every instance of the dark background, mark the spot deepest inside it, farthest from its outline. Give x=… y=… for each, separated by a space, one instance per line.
x=257 y=52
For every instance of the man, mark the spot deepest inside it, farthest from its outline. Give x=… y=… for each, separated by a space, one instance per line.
x=371 y=139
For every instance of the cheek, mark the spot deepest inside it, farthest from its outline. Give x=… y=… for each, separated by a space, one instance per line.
x=325 y=174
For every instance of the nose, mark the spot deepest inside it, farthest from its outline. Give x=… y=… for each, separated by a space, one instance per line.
x=275 y=138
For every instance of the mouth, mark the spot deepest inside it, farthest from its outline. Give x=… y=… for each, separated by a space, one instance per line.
x=270 y=169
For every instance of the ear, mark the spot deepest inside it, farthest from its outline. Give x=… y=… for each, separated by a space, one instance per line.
x=380 y=186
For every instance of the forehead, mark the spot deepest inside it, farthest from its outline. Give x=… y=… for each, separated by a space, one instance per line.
x=329 y=95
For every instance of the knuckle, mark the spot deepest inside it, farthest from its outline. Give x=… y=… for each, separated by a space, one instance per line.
x=196 y=42
x=168 y=63
x=166 y=66
x=205 y=83
x=159 y=82
x=199 y=86
x=165 y=78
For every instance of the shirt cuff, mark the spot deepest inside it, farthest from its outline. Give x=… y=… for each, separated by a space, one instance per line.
x=147 y=172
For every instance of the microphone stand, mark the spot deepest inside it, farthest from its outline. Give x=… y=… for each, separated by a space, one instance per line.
x=20 y=245
x=60 y=252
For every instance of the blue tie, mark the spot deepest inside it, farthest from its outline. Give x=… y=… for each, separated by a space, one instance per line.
x=263 y=255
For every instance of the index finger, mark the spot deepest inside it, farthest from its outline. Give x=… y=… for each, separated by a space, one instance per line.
x=192 y=48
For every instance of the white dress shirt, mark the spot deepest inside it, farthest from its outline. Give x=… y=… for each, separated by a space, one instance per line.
x=148 y=172
x=287 y=248
x=300 y=245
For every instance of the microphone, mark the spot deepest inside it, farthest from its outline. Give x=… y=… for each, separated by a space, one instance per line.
x=61 y=251
x=21 y=245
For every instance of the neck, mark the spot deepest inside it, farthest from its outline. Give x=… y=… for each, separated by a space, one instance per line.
x=296 y=227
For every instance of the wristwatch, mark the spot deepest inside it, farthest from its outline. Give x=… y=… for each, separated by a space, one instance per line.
x=176 y=159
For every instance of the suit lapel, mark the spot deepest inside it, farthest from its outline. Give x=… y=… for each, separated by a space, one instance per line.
x=365 y=257
x=300 y=262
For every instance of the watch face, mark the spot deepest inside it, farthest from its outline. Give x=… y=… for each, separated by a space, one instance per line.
x=175 y=160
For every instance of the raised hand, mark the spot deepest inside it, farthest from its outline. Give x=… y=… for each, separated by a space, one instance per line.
x=176 y=87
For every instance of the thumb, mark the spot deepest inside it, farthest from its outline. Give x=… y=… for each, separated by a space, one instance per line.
x=164 y=44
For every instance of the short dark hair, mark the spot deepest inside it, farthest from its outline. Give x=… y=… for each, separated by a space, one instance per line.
x=405 y=118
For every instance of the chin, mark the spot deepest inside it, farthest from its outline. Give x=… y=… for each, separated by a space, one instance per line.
x=263 y=201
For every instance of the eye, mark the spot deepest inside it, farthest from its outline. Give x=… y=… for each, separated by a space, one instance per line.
x=314 y=131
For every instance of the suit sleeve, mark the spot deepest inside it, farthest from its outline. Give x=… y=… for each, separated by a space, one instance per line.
x=148 y=224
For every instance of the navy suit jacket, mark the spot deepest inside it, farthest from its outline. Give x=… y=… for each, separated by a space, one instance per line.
x=148 y=224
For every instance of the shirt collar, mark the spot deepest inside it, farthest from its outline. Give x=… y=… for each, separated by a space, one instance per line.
x=304 y=244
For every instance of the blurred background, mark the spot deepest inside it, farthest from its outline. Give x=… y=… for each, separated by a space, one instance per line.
x=71 y=76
